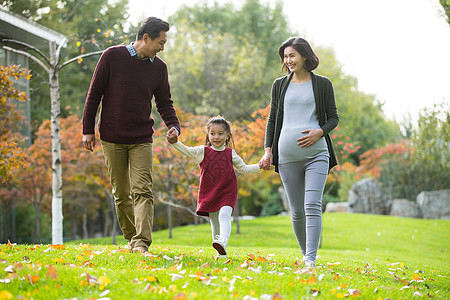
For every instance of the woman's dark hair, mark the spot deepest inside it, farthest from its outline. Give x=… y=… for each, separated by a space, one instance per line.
x=305 y=50
x=226 y=125
x=153 y=27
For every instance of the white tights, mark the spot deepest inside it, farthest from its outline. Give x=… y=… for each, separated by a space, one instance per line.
x=221 y=223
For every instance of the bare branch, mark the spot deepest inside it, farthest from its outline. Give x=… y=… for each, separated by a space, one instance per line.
x=180 y=206
x=58 y=51
x=29 y=56
x=29 y=47
x=80 y=56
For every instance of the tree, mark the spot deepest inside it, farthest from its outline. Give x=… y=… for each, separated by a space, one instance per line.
x=90 y=26
x=11 y=143
x=35 y=181
x=11 y=155
x=62 y=14
x=216 y=77
x=232 y=57
x=420 y=164
x=446 y=5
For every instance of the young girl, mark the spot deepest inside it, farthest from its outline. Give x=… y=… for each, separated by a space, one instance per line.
x=217 y=194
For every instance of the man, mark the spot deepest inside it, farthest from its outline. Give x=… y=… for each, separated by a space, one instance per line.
x=125 y=81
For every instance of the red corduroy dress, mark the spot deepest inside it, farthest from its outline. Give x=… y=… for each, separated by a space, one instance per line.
x=218 y=182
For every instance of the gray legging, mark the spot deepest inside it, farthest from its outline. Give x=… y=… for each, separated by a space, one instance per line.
x=304 y=182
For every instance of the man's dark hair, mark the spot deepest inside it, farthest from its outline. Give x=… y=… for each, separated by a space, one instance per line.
x=302 y=47
x=153 y=27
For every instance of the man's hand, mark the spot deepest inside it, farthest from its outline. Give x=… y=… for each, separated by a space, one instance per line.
x=172 y=135
x=89 y=141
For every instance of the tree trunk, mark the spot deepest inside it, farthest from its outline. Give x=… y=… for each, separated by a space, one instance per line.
x=57 y=198
x=169 y=219
x=13 y=222
x=85 y=230
x=38 y=223
x=74 y=225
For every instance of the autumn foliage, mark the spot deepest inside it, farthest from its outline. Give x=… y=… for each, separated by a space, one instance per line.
x=11 y=142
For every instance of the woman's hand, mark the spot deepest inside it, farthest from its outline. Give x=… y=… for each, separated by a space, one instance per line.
x=312 y=136
x=266 y=160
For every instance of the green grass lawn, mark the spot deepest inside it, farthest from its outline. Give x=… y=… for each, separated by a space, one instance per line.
x=365 y=256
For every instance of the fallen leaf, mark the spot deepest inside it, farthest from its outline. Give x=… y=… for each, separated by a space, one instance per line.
x=5 y=294
x=314 y=292
x=180 y=296
x=32 y=278
x=152 y=278
x=52 y=272
x=58 y=260
x=312 y=280
x=205 y=265
x=261 y=259
x=58 y=247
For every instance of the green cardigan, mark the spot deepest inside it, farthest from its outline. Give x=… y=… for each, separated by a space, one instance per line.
x=325 y=109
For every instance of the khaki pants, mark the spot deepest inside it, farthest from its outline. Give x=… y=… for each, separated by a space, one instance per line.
x=130 y=171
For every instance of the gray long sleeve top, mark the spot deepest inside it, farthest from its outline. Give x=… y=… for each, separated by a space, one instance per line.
x=325 y=108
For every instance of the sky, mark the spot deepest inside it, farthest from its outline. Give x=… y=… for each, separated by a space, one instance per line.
x=398 y=50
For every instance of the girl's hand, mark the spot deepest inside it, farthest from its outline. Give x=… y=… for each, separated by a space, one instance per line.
x=172 y=135
x=313 y=135
x=266 y=160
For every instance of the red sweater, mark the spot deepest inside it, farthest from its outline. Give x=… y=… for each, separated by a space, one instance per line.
x=125 y=86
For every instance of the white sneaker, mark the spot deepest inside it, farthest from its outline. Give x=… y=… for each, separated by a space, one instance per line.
x=310 y=264
x=220 y=244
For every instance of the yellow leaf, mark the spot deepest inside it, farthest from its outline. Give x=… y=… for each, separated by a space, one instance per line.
x=194 y=295
x=78 y=44
x=58 y=260
x=80 y=60
x=225 y=279
x=5 y=295
x=104 y=280
x=99 y=30
x=415 y=277
x=152 y=278
x=340 y=295
x=173 y=288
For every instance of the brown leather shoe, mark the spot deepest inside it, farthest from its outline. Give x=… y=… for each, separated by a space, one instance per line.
x=139 y=249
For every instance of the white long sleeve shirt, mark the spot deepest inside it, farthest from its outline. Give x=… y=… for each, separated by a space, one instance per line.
x=198 y=153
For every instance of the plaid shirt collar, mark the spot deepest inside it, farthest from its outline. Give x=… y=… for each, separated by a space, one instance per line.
x=134 y=54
